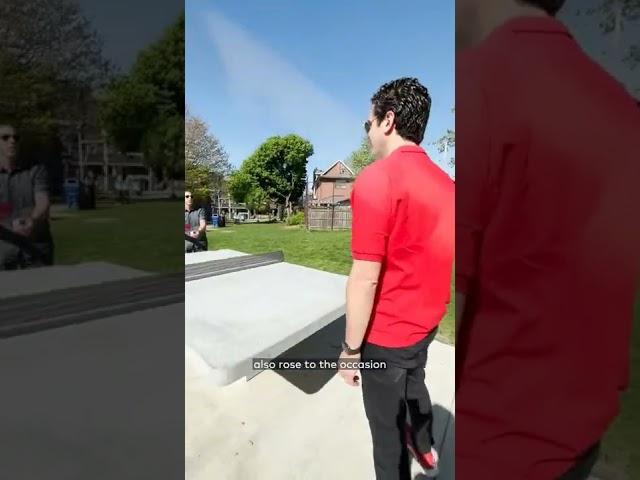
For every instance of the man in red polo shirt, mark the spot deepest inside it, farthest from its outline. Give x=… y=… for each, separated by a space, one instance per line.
x=547 y=244
x=399 y=286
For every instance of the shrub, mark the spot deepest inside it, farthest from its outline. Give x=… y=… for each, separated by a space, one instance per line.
x=296 y=219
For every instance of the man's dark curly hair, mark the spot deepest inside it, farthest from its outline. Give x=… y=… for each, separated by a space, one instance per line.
x=409 y=100
x=550 y=6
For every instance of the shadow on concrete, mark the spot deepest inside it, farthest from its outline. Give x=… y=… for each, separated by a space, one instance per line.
x=444 y=433
x=325 y=344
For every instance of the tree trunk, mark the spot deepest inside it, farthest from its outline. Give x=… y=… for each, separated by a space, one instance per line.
x=288 y=205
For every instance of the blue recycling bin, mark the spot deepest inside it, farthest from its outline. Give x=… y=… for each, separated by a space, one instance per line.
x=215 y=221
x=72 y=192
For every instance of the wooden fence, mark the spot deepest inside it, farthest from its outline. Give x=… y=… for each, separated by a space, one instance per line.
x=329 y=218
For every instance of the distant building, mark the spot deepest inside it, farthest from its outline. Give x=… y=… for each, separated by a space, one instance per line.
x=222 y=205
x=85 y=147
x=333 y=186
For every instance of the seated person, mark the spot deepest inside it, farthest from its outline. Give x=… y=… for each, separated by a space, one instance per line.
x=24 y=208
x=195 y=226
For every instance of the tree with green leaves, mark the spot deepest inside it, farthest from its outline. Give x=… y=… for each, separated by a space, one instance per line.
x=56 y=34
x=257 y=200
x=279 y=168
x=447 y=142
x=361 y=157
x=197 y=180
x=145 y=109
x=50 y=60
x=244 y=189
x=240 y=184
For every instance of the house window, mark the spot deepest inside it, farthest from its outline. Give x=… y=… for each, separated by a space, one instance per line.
x=341 y=184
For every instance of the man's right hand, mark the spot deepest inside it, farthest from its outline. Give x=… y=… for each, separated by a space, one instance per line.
x=22 y=226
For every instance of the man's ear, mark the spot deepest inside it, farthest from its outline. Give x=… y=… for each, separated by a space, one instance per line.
x=389 y=119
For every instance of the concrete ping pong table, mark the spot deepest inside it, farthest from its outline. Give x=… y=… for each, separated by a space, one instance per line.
x=86 y=352
x=242 y=307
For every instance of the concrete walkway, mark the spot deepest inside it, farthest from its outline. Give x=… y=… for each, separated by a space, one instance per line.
x=298 y=425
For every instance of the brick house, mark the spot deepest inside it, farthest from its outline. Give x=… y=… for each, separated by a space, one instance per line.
x=333 y=186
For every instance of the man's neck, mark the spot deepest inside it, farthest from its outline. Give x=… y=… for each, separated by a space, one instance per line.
x=497 y=14
x=397 y=142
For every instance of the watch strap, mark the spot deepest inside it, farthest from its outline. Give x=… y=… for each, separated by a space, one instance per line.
x=348 y=350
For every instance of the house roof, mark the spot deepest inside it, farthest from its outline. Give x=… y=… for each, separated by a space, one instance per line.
x=333 y=165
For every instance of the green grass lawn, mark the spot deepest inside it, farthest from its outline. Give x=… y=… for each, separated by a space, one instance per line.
x=620 y=449
x=328 y=251
x=145 y=235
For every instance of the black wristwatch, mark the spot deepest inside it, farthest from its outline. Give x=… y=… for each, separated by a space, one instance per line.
x=348 y=350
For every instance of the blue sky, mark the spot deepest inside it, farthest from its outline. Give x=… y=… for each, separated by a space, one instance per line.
x=256 y=69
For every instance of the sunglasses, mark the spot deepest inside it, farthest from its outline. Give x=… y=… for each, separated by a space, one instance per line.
x=187 y=196
x=5 y=138
x=367 y=126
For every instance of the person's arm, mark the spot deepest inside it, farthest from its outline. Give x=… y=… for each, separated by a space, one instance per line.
x=41 y=194
x=361 y=291
x=40 y=211
x=41 y=208
x=202 y=222
x=371 y=221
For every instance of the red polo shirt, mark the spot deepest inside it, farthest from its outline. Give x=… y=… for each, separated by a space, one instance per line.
x=403 y=217
x=547 y=165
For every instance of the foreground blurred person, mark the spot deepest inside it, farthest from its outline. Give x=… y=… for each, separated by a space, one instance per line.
x=547 y=251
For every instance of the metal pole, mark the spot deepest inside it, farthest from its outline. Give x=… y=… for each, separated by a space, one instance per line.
x=80 y=151
x=306 y=202
x=105 y=156
x=333 y=202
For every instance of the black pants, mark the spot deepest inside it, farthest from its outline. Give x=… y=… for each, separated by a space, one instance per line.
x=392 y=396
x=192 y=247
x=19 y=259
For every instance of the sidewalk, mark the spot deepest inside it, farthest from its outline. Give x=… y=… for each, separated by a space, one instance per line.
x=297 y=425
